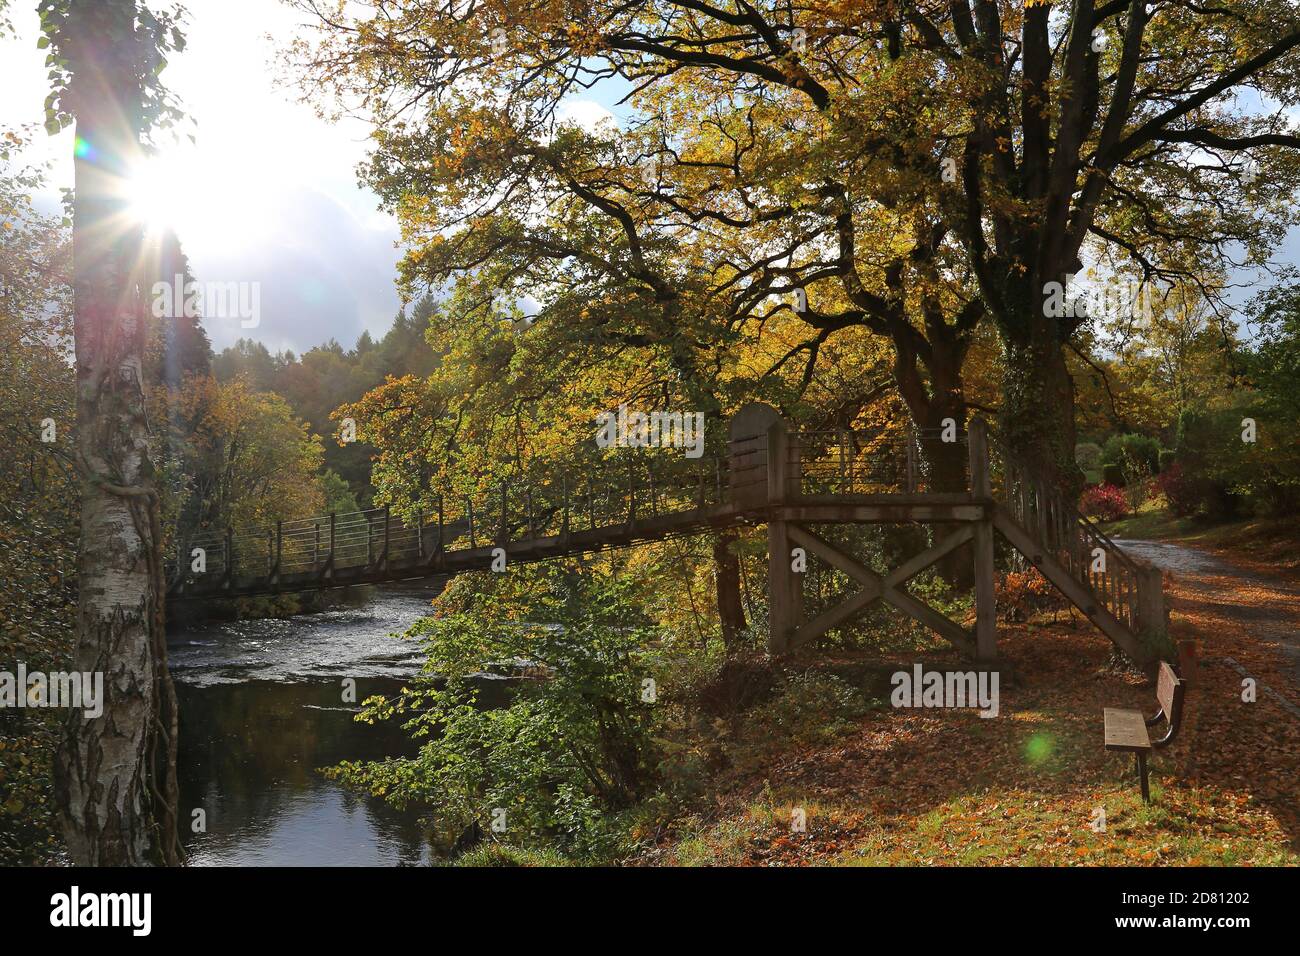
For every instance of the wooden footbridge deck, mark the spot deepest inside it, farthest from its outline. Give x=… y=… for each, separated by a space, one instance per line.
x=771 y=475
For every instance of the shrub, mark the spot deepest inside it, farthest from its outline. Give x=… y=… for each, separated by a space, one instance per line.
x=1138 y=455
x=574 y=745
x=1180 y=493
x=1021 y=594
x=814 y=707
x=1137 y=492
x=1105 y=502
x=1087 y=455
x=809 y=709
x=1214 y=462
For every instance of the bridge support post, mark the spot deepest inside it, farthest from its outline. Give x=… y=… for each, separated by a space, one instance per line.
x=761 y=477
x=784 y=584
x=981 y=488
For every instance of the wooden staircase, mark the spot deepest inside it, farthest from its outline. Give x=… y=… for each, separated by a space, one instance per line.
x=1122 y=595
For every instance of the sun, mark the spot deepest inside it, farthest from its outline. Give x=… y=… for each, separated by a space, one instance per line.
x=156 y=193
x=204 y=203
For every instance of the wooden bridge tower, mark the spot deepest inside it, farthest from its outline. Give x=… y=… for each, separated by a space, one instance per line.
x=766 y=463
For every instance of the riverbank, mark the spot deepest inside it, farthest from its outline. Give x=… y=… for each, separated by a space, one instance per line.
x=943 y=787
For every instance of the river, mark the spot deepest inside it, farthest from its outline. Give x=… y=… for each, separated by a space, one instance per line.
x=262 y=708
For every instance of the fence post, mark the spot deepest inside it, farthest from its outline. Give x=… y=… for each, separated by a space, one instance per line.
x=438 y=548
x=1152 y=615
x=279 y=548
x=419 y=534
x=631 y=492
x=911 y=460
x=329 y=564
x=564 y=520
x=503 y=535
x=845 y=485
x=230 y=557
x=315 y=548
x=986 y=611
x=387 y=535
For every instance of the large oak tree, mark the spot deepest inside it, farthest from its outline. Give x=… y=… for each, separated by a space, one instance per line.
x=914 y=166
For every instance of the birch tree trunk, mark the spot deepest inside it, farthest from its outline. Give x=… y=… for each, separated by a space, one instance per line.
x=115 y=810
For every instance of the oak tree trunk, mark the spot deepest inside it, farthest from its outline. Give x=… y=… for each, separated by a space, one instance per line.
x=943 y=463
x=1037 y=416
x=731 y=611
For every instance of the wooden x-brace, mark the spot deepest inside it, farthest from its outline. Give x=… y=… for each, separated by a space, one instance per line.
x=874 y=587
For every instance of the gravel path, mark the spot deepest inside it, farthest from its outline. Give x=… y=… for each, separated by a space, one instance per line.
x=1218 y=594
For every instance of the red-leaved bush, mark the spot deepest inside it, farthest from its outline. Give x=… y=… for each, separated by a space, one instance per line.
x=1104 y=502
x=1183 y=495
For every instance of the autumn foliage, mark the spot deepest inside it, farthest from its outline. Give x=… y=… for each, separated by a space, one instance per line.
x=1105 y=502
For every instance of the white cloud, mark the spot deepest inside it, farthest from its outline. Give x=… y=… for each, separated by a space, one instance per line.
x=586 y=113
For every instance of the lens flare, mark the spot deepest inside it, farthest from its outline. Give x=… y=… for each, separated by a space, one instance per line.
x=1039 y=748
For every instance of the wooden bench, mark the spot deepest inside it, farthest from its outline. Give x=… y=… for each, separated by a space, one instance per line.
x=1126 y=730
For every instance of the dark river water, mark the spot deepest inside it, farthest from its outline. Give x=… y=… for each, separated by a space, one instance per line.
x=262 y=708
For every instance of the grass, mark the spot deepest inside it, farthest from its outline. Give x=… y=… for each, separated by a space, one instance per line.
x=1152 y=523
x=946 y=788
x=1023 y=828
x=999 y=827
x=501 y=854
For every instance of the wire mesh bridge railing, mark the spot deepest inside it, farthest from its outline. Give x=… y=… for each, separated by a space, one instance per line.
x=630 y=495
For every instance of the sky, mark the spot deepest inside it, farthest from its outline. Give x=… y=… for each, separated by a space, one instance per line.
x=268 y=191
